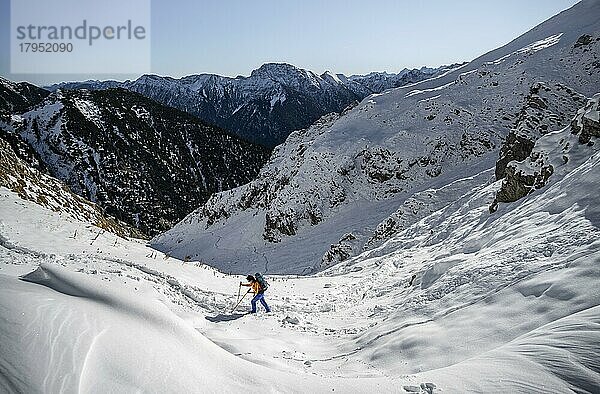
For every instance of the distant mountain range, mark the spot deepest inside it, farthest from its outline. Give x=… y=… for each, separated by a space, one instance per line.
x=267 y=106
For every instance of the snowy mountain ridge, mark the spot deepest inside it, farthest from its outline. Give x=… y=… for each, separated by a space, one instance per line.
x=276 y=99
x=17 y=97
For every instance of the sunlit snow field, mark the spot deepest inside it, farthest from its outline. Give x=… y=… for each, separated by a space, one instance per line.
x=502 y=302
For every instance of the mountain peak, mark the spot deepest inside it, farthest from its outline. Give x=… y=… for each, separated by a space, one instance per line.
x=269 y=69
x=284 y=73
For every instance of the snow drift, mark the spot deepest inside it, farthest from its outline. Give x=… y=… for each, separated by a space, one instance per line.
x=459 y=301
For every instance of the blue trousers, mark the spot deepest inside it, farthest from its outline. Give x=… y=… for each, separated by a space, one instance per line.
x=259 y=297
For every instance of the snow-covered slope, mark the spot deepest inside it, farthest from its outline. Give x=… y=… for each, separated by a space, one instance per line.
x=326 y=190
x=31 y=184
x=144 y=163
x=459 y=301
x=93 y=312
x=500 y=275
x=265 y=107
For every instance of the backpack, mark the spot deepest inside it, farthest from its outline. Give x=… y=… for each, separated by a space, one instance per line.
x=261 y=281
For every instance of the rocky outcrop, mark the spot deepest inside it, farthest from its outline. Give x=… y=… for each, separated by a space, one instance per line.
x=518 y=183
x=549 y=154
x=586 y=125
x=547 y=107
x=583 y=40
x=343 y=250
x=278 y=223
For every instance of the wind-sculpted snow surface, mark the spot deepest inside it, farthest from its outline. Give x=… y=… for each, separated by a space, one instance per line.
x=459 y=301
x=324 y=193
x=102 y=338
x=93 y=321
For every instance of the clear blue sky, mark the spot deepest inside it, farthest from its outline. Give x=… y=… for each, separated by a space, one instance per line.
x=232 y=37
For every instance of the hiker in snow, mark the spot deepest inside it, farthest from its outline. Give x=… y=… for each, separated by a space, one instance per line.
x=259 y=291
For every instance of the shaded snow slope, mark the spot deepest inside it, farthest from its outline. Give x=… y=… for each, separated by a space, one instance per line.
x=325 y=191
x=146 y=164
x=31 y=184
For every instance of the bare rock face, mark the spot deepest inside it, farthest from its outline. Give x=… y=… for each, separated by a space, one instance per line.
x=279 y=223
x=517 y=184
x=584 y=40
x=587 y=126
x=548 y=107
x=515 y=148
x=380 y=165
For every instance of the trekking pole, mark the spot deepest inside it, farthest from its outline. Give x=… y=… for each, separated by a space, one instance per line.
x=239 y=289
x=240 y=301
